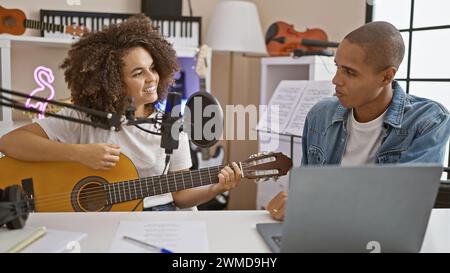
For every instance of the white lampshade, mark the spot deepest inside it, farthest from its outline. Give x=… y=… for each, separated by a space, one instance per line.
x=235 y=27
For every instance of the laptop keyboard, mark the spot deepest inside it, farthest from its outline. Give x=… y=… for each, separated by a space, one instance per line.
x=277 y=240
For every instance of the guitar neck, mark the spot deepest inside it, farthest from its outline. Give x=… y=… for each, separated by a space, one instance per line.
x=202 y=84
x=43 y=26
x=144 y=187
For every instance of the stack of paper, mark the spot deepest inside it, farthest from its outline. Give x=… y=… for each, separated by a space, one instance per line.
x=18 y=239
x=57 y=241
x=176 y=236
x=39 y=239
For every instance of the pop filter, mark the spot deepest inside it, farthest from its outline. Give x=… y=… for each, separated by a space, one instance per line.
x=203 y=119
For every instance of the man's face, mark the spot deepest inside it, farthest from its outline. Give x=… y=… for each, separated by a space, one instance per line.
x=358 y=84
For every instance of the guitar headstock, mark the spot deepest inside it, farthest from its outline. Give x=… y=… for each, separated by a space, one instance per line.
x=76 y=30
x=266 y=165
x=202 y=65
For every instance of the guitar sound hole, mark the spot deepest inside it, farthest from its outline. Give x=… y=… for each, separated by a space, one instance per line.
x=89 y=195
x=92 y=197
x=9 y=21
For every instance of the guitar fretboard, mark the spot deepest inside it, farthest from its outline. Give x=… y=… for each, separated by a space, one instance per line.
x=139 y=188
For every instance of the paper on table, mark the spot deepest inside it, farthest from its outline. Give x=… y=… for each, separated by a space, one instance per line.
x=176 y=236
x=56 y=241
x=16 y=240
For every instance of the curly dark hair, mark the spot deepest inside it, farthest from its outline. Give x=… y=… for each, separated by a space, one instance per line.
x=94 y=64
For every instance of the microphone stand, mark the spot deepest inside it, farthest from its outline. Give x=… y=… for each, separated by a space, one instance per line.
x=112 y=122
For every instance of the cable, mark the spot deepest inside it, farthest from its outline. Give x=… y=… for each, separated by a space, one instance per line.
x=148 y=131
x=166 y=163
x=190 y=8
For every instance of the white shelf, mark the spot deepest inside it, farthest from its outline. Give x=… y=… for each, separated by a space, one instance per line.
x=66 y=43
x=274 y=70
x=36 y=41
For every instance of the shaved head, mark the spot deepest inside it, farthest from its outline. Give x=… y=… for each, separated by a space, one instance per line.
x=382 y=43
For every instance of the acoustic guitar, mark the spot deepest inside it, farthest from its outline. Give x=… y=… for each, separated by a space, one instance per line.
x=67 y=186
x=14 y=21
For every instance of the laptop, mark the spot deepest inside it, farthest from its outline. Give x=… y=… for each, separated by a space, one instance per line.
x=376 y=208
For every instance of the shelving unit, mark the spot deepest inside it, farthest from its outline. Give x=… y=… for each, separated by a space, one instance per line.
x=274 y=70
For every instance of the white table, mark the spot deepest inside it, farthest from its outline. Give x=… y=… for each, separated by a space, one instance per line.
x=228 y=231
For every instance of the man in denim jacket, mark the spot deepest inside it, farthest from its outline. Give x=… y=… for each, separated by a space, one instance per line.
x=371 y=119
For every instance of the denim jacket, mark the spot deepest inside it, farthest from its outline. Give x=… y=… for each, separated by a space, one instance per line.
x=414 y=130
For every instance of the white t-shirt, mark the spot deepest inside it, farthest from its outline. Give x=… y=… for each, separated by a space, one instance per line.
x=363 y=141
x=142 y=148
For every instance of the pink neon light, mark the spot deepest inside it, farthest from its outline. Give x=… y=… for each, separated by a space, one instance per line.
x=39 y=73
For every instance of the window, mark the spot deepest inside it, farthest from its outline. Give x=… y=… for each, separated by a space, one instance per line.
x=425 y=27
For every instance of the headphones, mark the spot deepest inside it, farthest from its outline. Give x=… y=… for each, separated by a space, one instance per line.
x=14 y=207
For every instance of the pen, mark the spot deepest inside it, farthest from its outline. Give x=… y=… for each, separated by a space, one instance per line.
x=160 y=249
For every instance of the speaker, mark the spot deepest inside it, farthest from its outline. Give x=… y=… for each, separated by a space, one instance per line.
x=161 y=7
x=14 y=207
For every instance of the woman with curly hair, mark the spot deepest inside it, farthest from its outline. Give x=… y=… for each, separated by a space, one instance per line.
x=102 y=70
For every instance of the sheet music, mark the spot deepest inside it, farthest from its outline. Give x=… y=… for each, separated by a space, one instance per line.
x=290 y=103
x=281 y=105
x=177 y=236
x=313 y=93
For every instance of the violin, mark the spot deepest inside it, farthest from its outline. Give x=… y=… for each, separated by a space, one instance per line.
x=282 y=40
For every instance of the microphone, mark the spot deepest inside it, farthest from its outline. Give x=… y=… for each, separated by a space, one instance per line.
x=169 y=133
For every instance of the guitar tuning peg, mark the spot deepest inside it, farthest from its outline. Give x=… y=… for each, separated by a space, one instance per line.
x=275 y=178
x=257 y=180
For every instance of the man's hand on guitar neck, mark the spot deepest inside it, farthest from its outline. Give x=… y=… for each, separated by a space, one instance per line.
x=98 y=156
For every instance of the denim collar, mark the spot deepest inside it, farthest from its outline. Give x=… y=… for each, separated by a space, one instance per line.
x=394 y=113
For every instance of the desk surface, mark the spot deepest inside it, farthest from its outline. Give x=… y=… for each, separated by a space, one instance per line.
x=228 y=231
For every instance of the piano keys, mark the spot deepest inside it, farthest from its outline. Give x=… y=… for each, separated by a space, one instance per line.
x=182 y=31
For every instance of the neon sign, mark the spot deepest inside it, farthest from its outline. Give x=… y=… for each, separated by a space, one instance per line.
x=44 y=78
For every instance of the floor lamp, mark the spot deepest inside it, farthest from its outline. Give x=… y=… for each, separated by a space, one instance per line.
x=235 y=28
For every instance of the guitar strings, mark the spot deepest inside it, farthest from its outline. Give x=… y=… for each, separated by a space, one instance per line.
x=99 y=193
x=95 y=197
x=146 y=179
x=177 y=175
x=100 y=188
